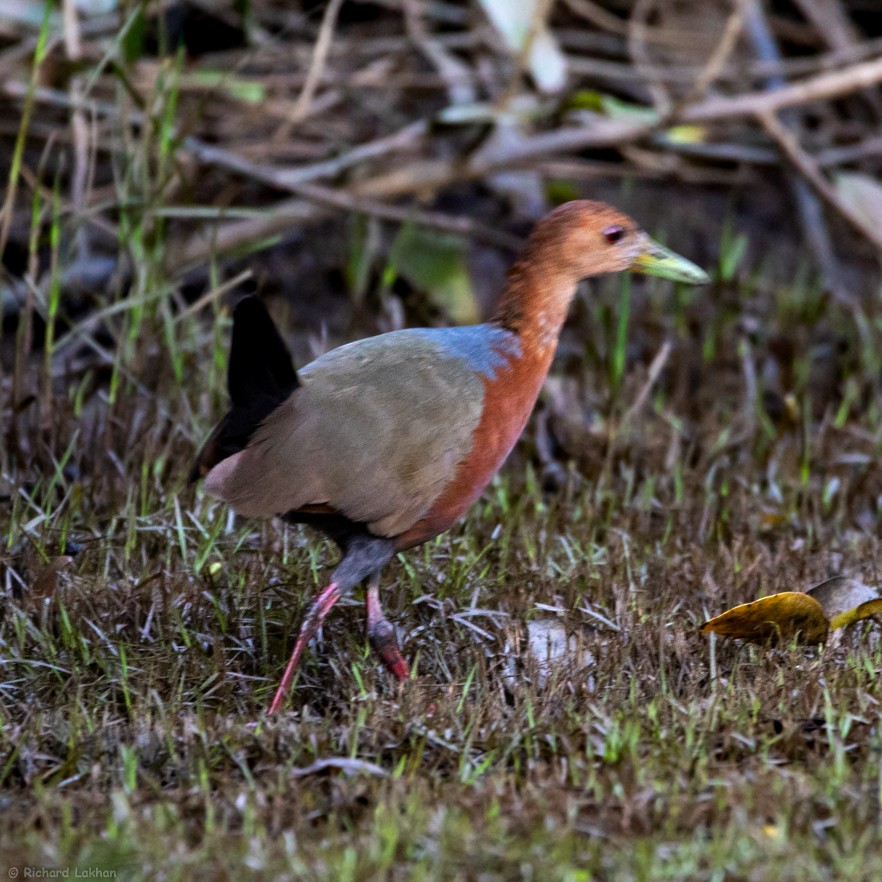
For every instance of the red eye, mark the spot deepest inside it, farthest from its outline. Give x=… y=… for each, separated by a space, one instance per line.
x=614 y=234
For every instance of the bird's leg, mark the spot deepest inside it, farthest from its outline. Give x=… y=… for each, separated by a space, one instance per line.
x=363 y=555
x=321 y=606
x=381 y=633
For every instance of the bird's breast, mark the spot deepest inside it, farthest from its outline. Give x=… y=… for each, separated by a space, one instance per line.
x=509 y=397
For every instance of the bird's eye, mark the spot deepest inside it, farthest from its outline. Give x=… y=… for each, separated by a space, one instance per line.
x=614 y=234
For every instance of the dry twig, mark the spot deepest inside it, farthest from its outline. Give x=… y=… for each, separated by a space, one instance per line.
x=316 y=64
x=808 y=168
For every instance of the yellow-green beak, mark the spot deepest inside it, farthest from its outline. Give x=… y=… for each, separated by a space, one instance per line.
x=655 y=260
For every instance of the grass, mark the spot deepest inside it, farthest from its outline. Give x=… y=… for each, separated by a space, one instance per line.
x=133 y=684
x=133 y=738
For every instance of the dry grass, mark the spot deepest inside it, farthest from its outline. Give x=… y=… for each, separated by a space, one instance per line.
x=693 y=450
x=129 y=700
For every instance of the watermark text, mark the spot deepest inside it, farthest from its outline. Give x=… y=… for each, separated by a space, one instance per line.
x=29 y=871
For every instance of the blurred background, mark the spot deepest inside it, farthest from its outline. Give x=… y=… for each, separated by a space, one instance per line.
x=369 y=165
x=373 y=164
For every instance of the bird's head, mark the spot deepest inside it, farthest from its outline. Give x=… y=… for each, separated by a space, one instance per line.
x=585 y=238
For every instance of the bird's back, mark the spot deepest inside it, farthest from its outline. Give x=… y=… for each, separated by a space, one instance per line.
x=376 y=430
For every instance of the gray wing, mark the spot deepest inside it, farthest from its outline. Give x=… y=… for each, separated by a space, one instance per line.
x=376 y=432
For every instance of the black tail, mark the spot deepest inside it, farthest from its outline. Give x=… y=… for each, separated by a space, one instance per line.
x=260 y=365
x=260 y=377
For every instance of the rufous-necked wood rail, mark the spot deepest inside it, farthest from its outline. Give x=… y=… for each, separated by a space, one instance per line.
x=385 y=442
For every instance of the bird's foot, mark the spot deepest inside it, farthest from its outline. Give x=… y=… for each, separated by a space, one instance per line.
x=385 y=644
x=382 y=637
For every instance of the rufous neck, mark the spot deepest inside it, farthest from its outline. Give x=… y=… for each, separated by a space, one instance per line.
x=534 y=304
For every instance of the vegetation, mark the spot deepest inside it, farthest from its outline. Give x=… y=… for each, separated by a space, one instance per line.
x=694 y=450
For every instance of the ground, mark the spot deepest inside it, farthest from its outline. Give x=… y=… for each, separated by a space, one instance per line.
x=693 y=449
x=134 y=737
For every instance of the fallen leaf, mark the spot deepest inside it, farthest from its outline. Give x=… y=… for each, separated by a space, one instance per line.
x=841 y=594
x=549 y=647
x=518 y=23
x=779 y=618
x=810 y=616
x=863 y=194
x=863 y=611
x=549 y=643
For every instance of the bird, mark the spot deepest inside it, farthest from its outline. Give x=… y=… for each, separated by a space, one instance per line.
x=385 y=442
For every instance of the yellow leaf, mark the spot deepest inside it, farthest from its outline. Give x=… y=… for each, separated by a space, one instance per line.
x=864 y=611
x=779 y=618
x=686 y=134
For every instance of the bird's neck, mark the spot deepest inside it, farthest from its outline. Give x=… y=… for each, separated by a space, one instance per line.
x=534 y=306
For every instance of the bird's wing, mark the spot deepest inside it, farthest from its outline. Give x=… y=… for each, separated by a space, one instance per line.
x=375 y=432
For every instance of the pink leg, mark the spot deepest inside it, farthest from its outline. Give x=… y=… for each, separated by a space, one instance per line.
x=321 y=606
x=381 y=633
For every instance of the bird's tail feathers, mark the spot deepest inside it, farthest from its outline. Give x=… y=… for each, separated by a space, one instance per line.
x=260 y=377
x=260 y=364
